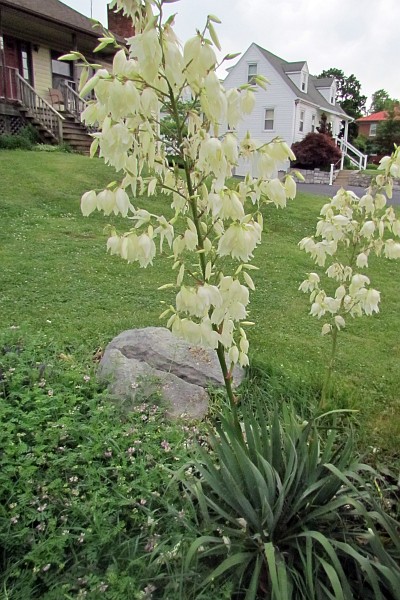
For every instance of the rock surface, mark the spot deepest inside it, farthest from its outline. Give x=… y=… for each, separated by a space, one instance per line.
x=139 y=363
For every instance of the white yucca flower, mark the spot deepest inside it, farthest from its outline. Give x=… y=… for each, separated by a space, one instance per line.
x=240 y=240
x=88 y=203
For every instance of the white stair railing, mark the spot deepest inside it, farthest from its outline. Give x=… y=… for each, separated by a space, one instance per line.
x=357 y=158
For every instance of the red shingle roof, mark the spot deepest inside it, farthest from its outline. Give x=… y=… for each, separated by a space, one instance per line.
x=378 y=116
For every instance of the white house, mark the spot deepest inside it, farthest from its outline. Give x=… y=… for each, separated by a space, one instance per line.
x=291 y=106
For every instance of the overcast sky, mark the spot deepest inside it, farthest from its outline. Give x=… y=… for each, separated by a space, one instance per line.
x=357 y=36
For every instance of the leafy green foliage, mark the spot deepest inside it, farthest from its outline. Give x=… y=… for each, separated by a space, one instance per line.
x=349 y=96
x=388 y=132
x=348 y=92
x=288 y=514
x=382 y=101
x=24 y=140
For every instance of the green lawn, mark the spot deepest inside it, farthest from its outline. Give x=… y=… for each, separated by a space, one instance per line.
x=56 y=279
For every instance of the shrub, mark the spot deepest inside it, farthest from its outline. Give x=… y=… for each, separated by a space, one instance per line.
x=24 y=140
x=287 y=514
x=14 y=142
x=317 y=150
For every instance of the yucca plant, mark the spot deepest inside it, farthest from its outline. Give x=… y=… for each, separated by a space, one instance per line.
x=290 y=514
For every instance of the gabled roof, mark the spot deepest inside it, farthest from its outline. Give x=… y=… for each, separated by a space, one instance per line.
x=323 y=82
x=312 y=95
x=56 y=11
x=294 y=67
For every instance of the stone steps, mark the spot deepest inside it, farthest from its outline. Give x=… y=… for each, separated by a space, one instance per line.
x=343 y=177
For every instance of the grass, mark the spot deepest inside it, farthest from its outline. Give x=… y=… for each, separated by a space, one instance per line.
x=88 y=508
x=57 y=280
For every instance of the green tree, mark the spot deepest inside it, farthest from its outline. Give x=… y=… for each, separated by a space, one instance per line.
x=382 y=101
x=348 y=92
x=388 y=133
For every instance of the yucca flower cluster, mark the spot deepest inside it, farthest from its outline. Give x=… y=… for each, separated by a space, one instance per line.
x=349 y=231
x=211 y=219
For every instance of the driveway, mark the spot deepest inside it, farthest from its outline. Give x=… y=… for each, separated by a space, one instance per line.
x=319 y=189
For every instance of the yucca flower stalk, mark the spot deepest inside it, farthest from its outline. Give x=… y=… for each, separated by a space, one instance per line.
x=349 y=231
x=212 y=220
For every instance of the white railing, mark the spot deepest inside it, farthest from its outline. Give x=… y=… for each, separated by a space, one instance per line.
x=39 y=108
x=8 y=83
x=357 y=158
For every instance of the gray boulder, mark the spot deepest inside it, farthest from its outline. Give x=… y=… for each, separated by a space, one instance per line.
x=139 y=363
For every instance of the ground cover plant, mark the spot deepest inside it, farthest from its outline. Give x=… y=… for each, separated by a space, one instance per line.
x=81 y=480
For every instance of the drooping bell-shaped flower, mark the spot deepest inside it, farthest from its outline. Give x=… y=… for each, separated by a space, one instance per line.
x=88 y=203
x=240 y=240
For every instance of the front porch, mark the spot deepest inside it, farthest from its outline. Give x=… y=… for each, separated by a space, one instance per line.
x=56 y=122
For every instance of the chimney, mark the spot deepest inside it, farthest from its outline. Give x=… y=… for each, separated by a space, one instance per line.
x=120 y=24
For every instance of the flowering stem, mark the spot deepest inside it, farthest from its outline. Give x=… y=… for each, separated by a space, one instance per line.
x=227 y=377
x=200 y=244
x=325 y=388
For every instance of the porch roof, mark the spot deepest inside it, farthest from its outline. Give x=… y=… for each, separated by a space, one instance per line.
x=55 y=11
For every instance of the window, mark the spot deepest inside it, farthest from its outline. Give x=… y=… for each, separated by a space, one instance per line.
x=60 y=70
x=269 y=119
x=303 y=82
x=313 y=123
x=372 y=130
x=25 y=62
x=251 y=72
x=301 y=124
x=332 y=98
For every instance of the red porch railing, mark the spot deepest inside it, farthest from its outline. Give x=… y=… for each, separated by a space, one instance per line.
x=8 y=83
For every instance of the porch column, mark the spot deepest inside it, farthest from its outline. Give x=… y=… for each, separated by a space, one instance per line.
x=74 y=69
x=2 y=58
x=344 y=144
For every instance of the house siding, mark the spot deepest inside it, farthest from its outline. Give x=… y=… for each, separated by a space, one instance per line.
x=278 y=96
x=365 y=128
x=41 y=61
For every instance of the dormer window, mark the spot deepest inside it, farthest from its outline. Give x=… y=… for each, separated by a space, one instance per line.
x=332 y=99
x=251 y=72
x=304 y=81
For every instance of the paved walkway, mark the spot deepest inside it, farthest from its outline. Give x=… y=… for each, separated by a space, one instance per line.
x=319 y=189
